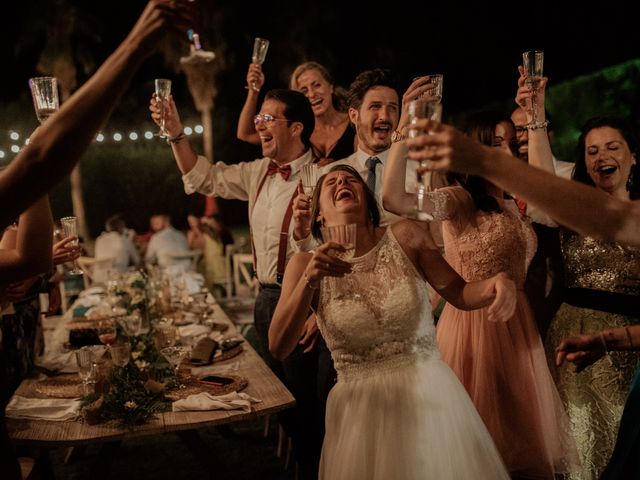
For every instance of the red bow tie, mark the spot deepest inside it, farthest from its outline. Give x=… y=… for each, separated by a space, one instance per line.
x=274 y=168
x=522 y=206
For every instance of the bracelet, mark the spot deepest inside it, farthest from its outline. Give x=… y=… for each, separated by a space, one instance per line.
x=626 y=329
x=174 y=140
x=604 y=343
x=307 y=281
x=537 y=126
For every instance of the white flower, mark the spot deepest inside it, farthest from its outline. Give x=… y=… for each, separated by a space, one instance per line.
x=141 y=364
x=135 y=355
x=130 y=405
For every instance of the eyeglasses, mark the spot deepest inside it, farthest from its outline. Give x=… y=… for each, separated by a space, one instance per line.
x=267 y=119
x=520 y=131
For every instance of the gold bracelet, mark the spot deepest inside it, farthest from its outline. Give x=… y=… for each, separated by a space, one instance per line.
x=626 y=329
x=536 y=126
x=604 y=343
x=307 y=281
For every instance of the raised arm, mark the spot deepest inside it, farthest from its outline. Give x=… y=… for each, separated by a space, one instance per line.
x=57 y=145
x=30 y=250
x=577 y=206
x=246 y=129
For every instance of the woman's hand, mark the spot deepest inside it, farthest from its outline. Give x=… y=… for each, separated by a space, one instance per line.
x=63 y=252
x=255 y=77
x=581 y=350
x=504 y=303
x=301 y=214
x=525 y=93
x=322 y=264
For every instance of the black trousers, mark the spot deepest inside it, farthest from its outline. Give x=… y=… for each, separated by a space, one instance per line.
x=545 y=277
x=308 y=376
x=9 y=468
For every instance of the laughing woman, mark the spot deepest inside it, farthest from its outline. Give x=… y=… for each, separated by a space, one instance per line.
x=397 y=410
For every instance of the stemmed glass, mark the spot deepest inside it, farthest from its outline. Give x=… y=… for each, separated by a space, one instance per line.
x=87 y=366
x=167 y=335
x=309 y=175
x=70 y=229
x=44 y=91
x=120 y=354
x=260 y=47
x=163 y=90
x=175 y=356
x=418 y=109
x=533 y=62
x=107 y=331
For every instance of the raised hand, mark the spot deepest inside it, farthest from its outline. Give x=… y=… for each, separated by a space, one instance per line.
x=524 y=96
x=581 y=350
x=301 y=214
x=63 y=252
x=255 y=77
x=172 y=123
x=322 y=264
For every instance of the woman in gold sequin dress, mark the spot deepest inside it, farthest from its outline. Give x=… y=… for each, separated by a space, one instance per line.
x=602 y=281
x=502 y=365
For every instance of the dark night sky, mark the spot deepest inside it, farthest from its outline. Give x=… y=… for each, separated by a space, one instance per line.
x=477 y=45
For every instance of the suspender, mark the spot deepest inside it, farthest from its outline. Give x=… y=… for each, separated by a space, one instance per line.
x=284 y=234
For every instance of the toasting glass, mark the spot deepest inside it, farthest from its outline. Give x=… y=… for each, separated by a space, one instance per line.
x=309 y=175
x=260 y=47
x=533 y=61
x=87 y=367
x=70 y=229
x=345 y=235
x=163 y=90
x=44 y=91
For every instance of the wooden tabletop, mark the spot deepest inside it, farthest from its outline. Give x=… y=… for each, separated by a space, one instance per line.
x=263 y=384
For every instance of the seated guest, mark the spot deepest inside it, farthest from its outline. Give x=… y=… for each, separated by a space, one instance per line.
x=115 y=243
x=167 y=240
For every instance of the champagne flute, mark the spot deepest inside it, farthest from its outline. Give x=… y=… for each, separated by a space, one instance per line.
x=260 y=47
x=434 y=93
x=86 y=361
x=44 y=91
x=533 y=62
x=309 y=176
x=163 y=90
x=70 y=229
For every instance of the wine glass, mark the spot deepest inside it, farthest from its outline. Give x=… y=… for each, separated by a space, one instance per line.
x=44 y=91
x=163 y=90
x=167 y=335
x=345 y=235
x=87 y=366
x=533 y=61
x=120 y=354
x=434 y=92
x=107 y=331
x=260 y=47
x=309 y=175
x=70 y=229
x=175 y=356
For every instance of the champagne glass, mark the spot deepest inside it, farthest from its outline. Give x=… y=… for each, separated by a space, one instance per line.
x=163 y=90
x=70 y=229
x=107 y=331
x=434 y=93
x=345 y=235
x=120 y=354
x=87 y=366
x=309 y=175
x=175 y=356
x=44 y=91
x=260 y=47
x=533 y=61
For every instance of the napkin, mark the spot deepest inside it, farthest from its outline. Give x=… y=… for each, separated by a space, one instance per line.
x=205 y=401
x=52 y=409
x=193 y=330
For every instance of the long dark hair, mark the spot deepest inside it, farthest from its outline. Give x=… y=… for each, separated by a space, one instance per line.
x=481 y=127
x=372 y=204
x=580 y=173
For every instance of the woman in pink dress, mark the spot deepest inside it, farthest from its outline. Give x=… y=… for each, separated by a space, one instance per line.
x=502 y=365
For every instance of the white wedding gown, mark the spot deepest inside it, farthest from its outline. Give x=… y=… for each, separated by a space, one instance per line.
x=397 y=411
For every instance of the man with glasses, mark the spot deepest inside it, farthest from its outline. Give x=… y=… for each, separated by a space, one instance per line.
x=269 y=184
x=544 y=277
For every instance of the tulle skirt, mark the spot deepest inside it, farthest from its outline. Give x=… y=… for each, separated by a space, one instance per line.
x=412 y=421
x=503 y=367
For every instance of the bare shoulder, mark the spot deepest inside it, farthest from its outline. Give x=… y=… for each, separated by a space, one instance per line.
x=413 y=235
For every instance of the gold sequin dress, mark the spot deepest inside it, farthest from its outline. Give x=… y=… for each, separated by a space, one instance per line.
x=602 y=282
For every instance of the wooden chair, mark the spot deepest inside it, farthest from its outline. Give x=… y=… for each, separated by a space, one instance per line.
x=244 y=282
x=189 y=258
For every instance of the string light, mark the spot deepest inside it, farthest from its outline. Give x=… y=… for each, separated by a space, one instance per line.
x=148 y=135
x=1 y=154
x=133 y=136
x=188 y=130
x=99 y=137
x=198 y=129
x=14 y=136
x=117 y=137
x=15 y=148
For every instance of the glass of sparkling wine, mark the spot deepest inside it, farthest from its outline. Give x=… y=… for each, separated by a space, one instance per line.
x=87 y=367
x=345 y=235
x=70 y=229
x=309 y=175
x=163 y=90
x=533 y=61
x=44 y=91
x=260 y=47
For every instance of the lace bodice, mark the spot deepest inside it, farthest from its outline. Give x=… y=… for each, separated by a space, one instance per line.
x=379 y=315
x=599 y=265
x=478 y=245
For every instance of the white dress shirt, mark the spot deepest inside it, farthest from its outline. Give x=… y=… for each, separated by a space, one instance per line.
x=163 y=243
x=241 y=182
x=562 y=169
x=119 y=247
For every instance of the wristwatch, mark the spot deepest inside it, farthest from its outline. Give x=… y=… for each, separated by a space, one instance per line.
x=397 y=136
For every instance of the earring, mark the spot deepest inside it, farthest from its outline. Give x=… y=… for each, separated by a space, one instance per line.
x=631 y=179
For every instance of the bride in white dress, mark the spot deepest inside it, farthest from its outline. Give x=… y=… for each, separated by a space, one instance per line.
x=397 y=411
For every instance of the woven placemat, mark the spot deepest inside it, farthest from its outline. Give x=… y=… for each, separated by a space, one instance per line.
x=60 y=386
x=191 y=386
